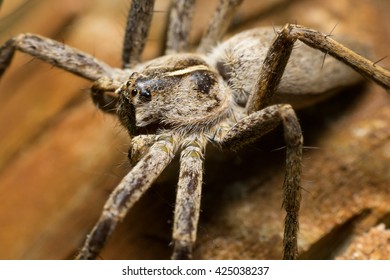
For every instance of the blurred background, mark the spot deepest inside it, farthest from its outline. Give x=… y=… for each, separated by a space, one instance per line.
x=60 y=157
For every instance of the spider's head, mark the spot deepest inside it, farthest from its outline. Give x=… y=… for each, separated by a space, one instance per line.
x=172 y=92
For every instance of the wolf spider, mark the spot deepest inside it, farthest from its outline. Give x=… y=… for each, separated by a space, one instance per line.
x=229 y=94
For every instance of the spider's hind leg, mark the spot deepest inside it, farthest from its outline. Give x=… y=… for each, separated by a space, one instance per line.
x=255 y=126
x=279 y=54
x=324 y=43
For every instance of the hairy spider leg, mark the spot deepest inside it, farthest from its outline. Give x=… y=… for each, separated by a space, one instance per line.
x=136 y=31
x=129 y=190
x=218 y=24
x=187 y=207
x=253 y=127
x=279 y=53
x=56 y=54
x=180 y=18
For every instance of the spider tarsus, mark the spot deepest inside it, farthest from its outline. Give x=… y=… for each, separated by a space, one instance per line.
x=290 y=241
x=182 y=250
x=97 y=238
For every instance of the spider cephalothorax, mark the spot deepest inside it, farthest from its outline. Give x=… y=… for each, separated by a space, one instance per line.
x=175 y=91
x=229 y=94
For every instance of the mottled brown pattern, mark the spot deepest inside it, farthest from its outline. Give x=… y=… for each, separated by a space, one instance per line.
x=222 y=95
x=189 y=189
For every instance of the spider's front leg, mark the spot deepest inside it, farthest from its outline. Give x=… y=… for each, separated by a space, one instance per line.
x=219 y=24
x=180 y=17
x=69 y=59
x=137 y=29
x=188 y=198
x=255 y=126
x=104 y=94
x=56 y=54
x=129 y=190
x=103 y=91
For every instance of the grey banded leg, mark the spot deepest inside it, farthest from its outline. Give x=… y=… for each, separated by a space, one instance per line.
x=219 y=24
x=188 y=195
x=136 y=32
x=129 y=190
x=180 y=18
x=253 y=127
x=55 y=53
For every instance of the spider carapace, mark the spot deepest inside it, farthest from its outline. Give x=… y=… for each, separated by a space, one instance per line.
x=175 y=91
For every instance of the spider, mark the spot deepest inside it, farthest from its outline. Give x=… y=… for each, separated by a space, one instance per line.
x=228 y=94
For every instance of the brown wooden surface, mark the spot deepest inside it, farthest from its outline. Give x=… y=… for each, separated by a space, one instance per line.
x=60 y=156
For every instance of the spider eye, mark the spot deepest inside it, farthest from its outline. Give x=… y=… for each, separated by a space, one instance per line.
x=145 y=94
x=134 y=92
x=128 y=84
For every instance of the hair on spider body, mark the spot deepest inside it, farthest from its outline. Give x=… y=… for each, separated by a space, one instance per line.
x=228 y=94
x=185 y=94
